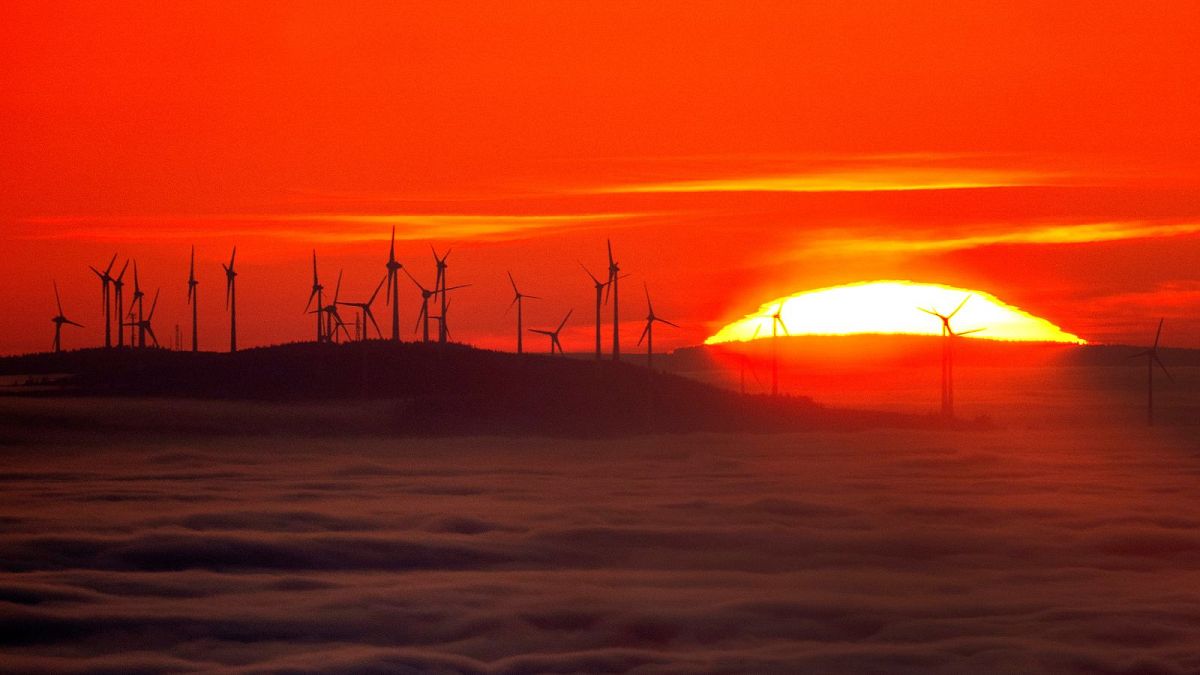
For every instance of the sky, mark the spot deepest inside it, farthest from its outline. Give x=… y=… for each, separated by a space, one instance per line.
x=1044 y=153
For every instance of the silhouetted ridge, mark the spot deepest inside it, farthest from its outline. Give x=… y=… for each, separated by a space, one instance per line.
x=443 y=389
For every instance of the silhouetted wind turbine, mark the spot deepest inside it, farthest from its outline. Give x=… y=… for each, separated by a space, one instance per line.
x=648 y=331
x=333 y=320
x=193 y=300
x=231 y=299
x=59 y=319
x=948 y=336
x=137 y=297
x=439 y=286
x=614 y=272
x=365 y=308
x=105 y=280
x=600 y=286
x=423 y=315
x=143 y=325
x=318 y=294
x=392 y=295
x=776 y=324
x=119 y=298
x=553 y=334
x=518 y=296
x=1151 y=355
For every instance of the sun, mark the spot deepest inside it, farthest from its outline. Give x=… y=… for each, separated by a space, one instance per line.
x=892 y=307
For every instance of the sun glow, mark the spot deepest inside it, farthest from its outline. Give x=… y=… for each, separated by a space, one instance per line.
x=893 y=307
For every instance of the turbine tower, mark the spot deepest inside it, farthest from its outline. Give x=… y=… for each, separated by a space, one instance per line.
x=1151 y=355
x=59 y=319
x=948 y=336
x=193 y=300
x=365 y=309
x=553 y=334
x=776 y=324
x=119 y=298
x=600 y=286
x=231 y=300
x=648 y=331
x=614 y=271
x=439 y=287
x=518 y=296
x=318 y=295
x=392 y=295
x=105 y=280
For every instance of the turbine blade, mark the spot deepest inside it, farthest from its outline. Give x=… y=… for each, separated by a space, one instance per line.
x=306 y=306
x=666 y=322
x=1163 y=367
x=960 y=306
x=414 y=280
x=1158 y=333
x=392 y=250
x=153 y=305
x=73 y=323
x=1142 y=353
x=644 y=332
x=610 y=256
x=589 y=273
x=337 y=291
x=315 y=282
x=968 y=332
x=57 y=300
x=513 y=282
x=110 y=264
x=232 y=257
x=421 y=315
x=756 y=330
x=564 y=321
x=123 y=268
x=376 y=293
x=930 y=312
x=782 y=325
x=151 y=332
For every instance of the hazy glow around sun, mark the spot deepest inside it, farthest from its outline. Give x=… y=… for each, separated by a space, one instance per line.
x=893 y=307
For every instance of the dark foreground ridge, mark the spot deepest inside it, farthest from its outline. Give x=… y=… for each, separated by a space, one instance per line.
x=433 y=389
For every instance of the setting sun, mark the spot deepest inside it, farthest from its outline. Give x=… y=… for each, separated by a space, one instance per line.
x=893 y=307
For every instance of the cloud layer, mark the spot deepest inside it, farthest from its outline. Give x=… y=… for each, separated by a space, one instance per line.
x=1019 y=551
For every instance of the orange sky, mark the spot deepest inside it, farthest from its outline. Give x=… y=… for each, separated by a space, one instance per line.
x=1044 y=152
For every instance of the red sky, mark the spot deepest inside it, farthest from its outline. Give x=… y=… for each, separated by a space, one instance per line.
x=1044 y=152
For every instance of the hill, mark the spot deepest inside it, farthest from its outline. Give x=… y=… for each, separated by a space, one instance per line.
x=437 y=389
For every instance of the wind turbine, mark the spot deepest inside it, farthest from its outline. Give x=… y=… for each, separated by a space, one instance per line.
x=553 y=334
x=119 y=297
x=105 y=280
x=1151 y=355
x=518 y=296
x=423 y=315
x=600 y=286
x=193 y=300
x=59 y=320
x=143 y=325
x=137 y=297
x=333 y=320
x=614 y=272
x=948 y=336
x=231 y=300
x=648 y=331
x=439 y=286
x=776 y=324
x=318 y=294
x=365 y=308
x=392 y=295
